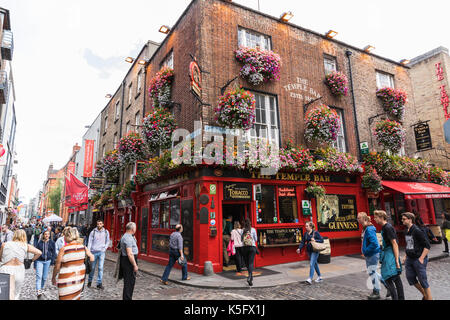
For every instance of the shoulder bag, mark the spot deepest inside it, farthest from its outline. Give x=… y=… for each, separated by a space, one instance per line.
x=87 y=263
x=316 y=246
x=27 y=262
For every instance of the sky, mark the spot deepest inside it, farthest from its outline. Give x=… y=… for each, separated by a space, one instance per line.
x=69 y=54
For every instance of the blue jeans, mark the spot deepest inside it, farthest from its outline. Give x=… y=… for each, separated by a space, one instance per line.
x=42 y=268
x=372 y=264
x=100 y=258
x=173 y=257
x=313 y=265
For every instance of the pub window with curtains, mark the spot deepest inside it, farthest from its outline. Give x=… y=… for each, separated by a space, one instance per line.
x=283 y=197
x=165 y=207
x=253 y=39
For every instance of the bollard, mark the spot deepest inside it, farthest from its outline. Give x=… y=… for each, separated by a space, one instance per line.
x=208 y=271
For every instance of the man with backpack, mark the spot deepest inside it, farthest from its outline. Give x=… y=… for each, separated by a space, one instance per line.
x=98 y=244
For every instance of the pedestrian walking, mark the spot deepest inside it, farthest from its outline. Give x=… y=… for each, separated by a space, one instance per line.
x=98 y=244
x=236 y=238
x=445 y=230
x=371 y=251
x=309 y=237
x=226 y=235
x=61 y=242
x=70 y=267
x=391 y=267
x=128 y=261
x=36 y=234
x=249 y=250
x=42 y=264
x=29 y=232
x=176 y=254
x=7 y=235
x=416 y=259
x=49 y=229
x=58 y=234
x=12 y=256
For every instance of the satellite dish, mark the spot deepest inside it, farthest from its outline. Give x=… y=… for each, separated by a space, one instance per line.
x=447 y=131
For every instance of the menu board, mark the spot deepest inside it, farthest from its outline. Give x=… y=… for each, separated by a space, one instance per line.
x=337 y=213
x=160 y=242
x=237 y=191
x=155 y=215
x=279 y=236
x=287 y=202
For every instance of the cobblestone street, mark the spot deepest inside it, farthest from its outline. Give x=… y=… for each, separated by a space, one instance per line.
x=148 y=287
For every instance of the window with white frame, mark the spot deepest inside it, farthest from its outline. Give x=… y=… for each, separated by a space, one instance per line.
x=106 y=123
x=266 y=122
x=329 y=64
x=384 y=80
x=253 y=39
x=168 y=61
x=115 y=140
x=117 y=113
x=104 y=150
x=137 y=119
x=130 y=86
x=139 y=82
x=128 y=127
x=339 y=144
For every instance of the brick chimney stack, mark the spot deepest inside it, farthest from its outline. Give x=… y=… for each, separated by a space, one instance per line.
x=76 y=148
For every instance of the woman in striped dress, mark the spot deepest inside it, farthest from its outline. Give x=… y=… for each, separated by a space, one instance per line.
x=70 y=266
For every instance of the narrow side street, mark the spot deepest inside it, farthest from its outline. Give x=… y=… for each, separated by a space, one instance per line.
x=349 y=287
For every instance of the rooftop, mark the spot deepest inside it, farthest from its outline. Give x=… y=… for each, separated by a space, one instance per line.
x=428 y=55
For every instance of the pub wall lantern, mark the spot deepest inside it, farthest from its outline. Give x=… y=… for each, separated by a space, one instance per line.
x=164 y=29
x=129 y=60
x=331 y=34
x=405 y=62
x=286 y=16
x=369 y=48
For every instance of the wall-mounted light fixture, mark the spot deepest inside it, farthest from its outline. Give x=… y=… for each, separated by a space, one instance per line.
x=405 y=62
x=108 y=96
x=164 y=29
x=129 y=60
x=143 y=62
x=331 y=34
x=369 y=48
x=286 y=16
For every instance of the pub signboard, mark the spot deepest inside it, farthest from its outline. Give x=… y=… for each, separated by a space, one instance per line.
x=237 y=191
x=423 y=137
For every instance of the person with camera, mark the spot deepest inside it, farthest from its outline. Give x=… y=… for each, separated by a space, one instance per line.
x=176 y=253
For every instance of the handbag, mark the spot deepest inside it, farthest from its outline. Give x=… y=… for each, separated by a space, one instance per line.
x=27 y=262
x=317 y=247
x=87 y=264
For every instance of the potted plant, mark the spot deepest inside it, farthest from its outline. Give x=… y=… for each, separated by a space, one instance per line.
x=236 y=110
x=158 y=126
x=131 y=148
x=337 y=82
x=314 y=191
x=390 y=135
x=321 y=125
x=371 y=181
x=393 y=101
x=259 y=65
x=160 y=87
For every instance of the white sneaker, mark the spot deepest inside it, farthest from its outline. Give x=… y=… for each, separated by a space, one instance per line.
x=309 y=281
x=319 y=280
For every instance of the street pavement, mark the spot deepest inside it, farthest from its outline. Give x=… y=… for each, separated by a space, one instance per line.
x=350 y=286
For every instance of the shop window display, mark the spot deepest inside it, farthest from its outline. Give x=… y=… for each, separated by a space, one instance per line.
x=267 y=207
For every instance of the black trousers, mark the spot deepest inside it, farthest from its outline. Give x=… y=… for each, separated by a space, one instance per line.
x=238 y=258
x=395 y=287
x=445 y=243
x=248 y=254
x=129 y=277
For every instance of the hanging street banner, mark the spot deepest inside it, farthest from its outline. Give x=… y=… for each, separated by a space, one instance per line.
x=423 y=137
x=76 y=192
x=88 y=158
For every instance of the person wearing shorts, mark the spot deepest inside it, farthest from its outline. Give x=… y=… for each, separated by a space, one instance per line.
x=416 y=259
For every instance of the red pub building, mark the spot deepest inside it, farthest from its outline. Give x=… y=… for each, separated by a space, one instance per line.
x=201 y=197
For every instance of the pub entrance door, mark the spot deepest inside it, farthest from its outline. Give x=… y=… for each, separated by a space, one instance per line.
x=232 y=212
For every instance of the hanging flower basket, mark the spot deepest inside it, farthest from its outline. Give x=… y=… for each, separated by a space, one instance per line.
x=439 y=176
x=337 y=82
x=314 y=191
x=160 y=87
x=372 y=181
x=158 y=126
x=259 y=65
x=390 y=135
x=131 y=148
x=321 y=125
x=111 y=165
x=236 y=110
x=394 y=101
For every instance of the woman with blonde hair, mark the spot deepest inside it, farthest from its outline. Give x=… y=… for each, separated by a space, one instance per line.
x=12 y=255
x=69 y=266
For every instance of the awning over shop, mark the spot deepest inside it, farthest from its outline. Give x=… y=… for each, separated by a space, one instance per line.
x=418 y=190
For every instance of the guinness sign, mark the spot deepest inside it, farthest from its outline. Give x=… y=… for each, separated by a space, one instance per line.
x=237 y=191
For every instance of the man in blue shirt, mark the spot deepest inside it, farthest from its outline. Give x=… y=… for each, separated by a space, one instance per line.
x=176 y=252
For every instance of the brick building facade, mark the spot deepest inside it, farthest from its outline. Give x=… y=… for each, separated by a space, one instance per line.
x=429 y=72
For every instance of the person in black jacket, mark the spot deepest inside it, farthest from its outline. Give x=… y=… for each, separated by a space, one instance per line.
x=416 y=259
x=42 y=264
x=310 y=236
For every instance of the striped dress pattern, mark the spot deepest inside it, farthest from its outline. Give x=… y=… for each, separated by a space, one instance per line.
x=72 y=272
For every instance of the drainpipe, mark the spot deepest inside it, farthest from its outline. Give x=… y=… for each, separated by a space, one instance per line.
x=348 y=53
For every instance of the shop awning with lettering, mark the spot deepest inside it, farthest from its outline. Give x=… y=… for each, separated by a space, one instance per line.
x=418 y=190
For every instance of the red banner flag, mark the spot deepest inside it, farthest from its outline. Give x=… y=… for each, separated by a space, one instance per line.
x=88 y=158
x=77 y=191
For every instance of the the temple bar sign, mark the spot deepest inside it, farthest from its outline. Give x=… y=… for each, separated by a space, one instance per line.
x=423 y=137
